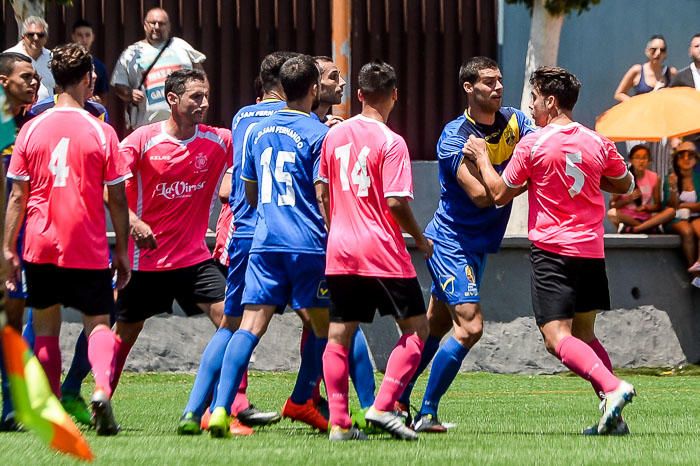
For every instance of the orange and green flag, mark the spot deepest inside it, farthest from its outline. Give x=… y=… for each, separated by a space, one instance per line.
x=36 y=407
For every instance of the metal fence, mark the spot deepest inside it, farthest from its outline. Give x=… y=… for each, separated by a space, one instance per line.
x=425 y=40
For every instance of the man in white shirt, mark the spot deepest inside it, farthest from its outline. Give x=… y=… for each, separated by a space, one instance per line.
x=139 y=75
x=35 y=33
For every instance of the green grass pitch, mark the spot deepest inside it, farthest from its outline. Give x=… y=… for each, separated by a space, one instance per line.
x=501 y=419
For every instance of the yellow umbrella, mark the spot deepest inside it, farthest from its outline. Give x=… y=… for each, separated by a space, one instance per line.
x=666 y=113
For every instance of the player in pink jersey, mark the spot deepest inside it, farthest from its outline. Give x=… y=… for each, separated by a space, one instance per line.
x=61 y=163
x=565 y=166
x=176 y=164
x=224 y=225
x=366 y=183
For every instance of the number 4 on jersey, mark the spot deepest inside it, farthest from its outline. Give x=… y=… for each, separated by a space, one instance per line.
x=58 y=165
x=359 y=170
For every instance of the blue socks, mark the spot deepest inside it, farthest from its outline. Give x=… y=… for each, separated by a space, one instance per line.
x=79 y=368
x=361 y=370
x=310 y=369
x=447 y=362
x=429 y=349
x=238 y=352
x=208 y=372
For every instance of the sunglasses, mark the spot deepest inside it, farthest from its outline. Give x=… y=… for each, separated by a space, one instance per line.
x=38 y=35
x=686 y=154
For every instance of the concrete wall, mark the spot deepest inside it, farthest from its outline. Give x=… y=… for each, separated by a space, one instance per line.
x=600 y=45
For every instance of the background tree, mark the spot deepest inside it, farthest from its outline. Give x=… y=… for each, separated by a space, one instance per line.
x=543 y=46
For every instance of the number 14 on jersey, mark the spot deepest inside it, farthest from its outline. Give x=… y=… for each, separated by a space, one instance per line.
x=359 y=174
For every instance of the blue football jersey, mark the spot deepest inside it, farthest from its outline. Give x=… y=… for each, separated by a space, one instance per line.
x=244 y=216
x=282 y=157
x=457 y=218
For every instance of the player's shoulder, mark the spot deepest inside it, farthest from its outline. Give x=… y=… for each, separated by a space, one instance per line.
x=454 y=135
x=220 y=136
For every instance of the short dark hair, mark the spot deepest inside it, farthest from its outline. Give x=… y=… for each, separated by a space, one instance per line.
x=69 y=63
x=8 y=60
x=377 y=80
x=695 y=36
x=298 y=75
x=177 y=81
x=469 y=71
x=638 y=147
x=657 y=36
x=325 y=58
x=557 y=82
x=81 y=23
x=270 y=68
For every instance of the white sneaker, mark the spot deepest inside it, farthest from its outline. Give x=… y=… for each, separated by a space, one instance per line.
x=390 y=422
x=614 y=402
x=338 y=434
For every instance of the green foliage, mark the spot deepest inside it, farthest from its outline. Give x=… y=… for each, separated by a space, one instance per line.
x=560 y=7
x=501 y=419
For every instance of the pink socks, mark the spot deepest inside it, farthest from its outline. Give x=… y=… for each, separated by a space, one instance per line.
x=49 y=354
x=335 y=372
x=102 y=344
x=241 y=402
x=604 y=358
x=403 y=362
x=121 y=352
x=582 y=360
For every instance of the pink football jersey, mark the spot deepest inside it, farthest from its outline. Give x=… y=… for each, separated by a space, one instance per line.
x=172 y=191
x=67 y=156
x=364 y=162
x=224 y=233
x=563 y=166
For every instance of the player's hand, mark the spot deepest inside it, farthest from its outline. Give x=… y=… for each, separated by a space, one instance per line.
x=143 y=235
x=120 y=265
x=474 y=148
x=137 y=96
x=672 y=179
x=425 y=246
x=14 y=274
x=333 y=120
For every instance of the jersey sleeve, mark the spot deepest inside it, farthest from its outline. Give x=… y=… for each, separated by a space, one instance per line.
x=121 y=74
x=316 y=149
x=525 y=124
x=195 y=55
x=116 y=167
x=517 y=171
x=225 y=134
x=615 y=166
x=19 y=167
x=397 y=179
x=248 y=169
x=323 y=164
x=130 y=152
x=450 y=152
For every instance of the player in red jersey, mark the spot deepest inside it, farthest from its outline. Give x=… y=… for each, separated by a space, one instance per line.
x=365 y=187
x=61 y=162
x=565 y=165
x=176 y=164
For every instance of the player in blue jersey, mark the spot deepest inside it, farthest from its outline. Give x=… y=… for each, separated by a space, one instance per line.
x=244 y=219
x=466 y=227
x=287 y=262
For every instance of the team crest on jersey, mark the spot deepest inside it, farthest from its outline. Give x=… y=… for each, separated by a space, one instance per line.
x=447 y=283
x=322 y=292
x=200 y=162
x=509 y=136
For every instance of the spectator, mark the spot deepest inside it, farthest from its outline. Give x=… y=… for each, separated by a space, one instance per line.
x=649 y=76
x=84 y=34
x=35 y=33
x=628 y=211
x=139 y=75
x=690 y=75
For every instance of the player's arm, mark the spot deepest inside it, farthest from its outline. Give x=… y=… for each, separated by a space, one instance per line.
x=475 y=150
x=16 y=208
x=251 y=193
x=402 y=213
x=624 y=185
x=626 y=83
x=472 y=182
x=119 y=213
x=225 y=188
x=324 y=202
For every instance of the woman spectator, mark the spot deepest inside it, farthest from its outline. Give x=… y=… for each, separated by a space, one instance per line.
x=649 y=76
x=628 y=211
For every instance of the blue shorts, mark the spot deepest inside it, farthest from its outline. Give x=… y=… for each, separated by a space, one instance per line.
x=239 y=250
x=456 y=273
x=281 y=278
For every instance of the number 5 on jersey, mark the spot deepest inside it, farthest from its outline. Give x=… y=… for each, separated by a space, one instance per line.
x=359 y=170
x=58 y=165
